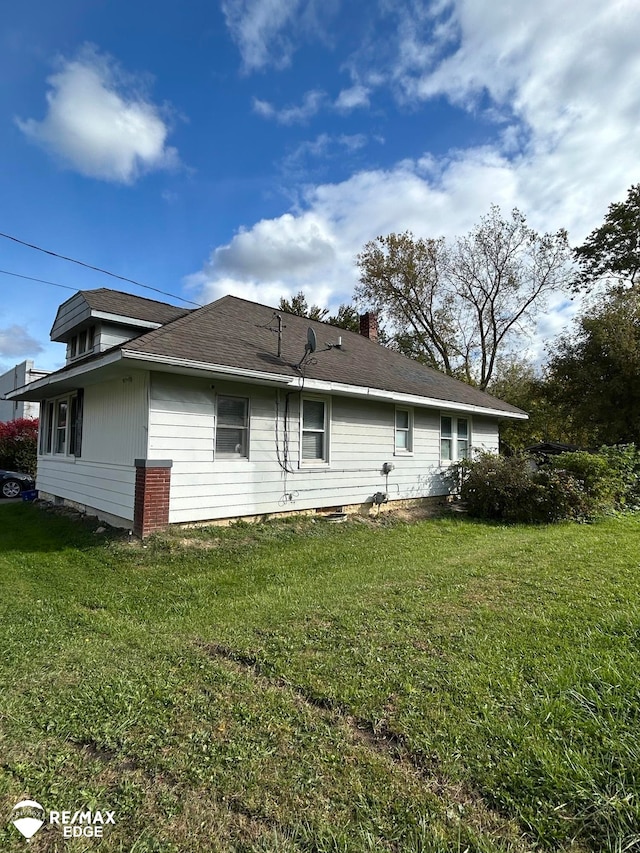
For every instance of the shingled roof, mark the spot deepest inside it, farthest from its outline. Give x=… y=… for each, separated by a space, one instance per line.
x=235 y=333
x=128 y=305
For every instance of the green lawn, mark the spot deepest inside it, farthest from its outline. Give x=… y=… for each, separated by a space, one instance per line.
x=300 y=686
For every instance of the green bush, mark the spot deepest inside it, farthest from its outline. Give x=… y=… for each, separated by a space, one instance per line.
x=19 y=445
x=600 y=481
x=578 y=486
x=625 y=460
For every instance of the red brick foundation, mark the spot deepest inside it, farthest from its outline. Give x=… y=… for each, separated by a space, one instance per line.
x=151 y=507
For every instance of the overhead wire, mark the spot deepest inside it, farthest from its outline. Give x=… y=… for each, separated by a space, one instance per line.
x=95 y=269
x=41 y=280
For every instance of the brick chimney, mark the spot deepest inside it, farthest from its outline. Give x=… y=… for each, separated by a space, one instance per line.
x=369 y=326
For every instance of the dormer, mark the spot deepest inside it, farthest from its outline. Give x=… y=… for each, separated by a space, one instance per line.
x=93 y=321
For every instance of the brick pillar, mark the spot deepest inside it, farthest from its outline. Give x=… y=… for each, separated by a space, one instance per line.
x=369 y=326
x=151 y=505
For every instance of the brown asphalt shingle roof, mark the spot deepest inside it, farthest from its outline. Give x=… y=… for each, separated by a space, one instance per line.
x=128 y=305
x=233 y=332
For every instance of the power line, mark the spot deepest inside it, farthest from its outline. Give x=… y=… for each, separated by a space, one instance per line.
x=95 y=269
x=41 y=280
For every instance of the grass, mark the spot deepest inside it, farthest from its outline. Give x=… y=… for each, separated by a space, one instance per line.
x=298 y=686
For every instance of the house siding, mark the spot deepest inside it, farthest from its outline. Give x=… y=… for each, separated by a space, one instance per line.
x=182 y=428
x=114 y=435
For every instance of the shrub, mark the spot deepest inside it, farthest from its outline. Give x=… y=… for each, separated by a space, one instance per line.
x=578 y=486
x=19 y=445
x=500 y=488
x=625 y=460
x=600 y=481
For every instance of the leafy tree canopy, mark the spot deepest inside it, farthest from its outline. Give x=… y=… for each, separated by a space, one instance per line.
x=458 y=306
x=613 y=249
x=346 y=318
x=594 y=374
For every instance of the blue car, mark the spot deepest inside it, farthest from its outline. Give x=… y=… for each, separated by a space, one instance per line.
x=12 y=484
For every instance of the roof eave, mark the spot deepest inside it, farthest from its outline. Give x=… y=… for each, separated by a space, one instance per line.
x=323 y=386
x=39 y=389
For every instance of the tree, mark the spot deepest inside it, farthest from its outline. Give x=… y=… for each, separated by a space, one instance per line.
x=458 y=306
x=517 y=381
x=594 y=373
x=346 y=318
x=299 y=305
x=613 y=249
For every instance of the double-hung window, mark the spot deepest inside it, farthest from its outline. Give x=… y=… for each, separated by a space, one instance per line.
x=455 y=438
x=232 y=428
x=315 y=438
x=61 y=425
x=404 y=431
x=60 y=438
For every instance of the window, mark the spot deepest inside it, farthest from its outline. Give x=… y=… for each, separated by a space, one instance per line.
x=75 y=438
x=81 y=343
x=61 y=427
x=454 y=438
x=404 y=431
x=46 y=427
x=232 y=427
x=315 y=446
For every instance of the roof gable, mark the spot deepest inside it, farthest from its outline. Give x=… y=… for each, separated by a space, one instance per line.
x=114 y=306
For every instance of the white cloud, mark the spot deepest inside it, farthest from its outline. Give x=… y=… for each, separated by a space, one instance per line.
x=295 y=114
x=270 y=258
x=257 y=28
x=563 y=82
x=15 y=341
x=268 y=32
x=99 y=124
x=352 y=98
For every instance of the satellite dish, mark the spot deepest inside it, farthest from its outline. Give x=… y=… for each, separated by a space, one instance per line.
x=312 y=342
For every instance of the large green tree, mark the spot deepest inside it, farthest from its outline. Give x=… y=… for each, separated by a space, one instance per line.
x=459 y=306
x=594 y=373
x=612 y=251
x=517 y=381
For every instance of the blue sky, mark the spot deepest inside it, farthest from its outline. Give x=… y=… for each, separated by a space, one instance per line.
x=253 y=146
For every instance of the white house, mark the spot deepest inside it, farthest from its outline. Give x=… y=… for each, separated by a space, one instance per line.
x=18 y=376
x=165 y=415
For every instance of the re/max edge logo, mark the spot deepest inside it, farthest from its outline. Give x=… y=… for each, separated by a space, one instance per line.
x=28 y=816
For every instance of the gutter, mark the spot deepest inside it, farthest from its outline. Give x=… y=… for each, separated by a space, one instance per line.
x=399 y=397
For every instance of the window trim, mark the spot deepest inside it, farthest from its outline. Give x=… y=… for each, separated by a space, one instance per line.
x=454 y=437
x=50 y=426
x=247 y=428
x=325 y=462
x=408 y=450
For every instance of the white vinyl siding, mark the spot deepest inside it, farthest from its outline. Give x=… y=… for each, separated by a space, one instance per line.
x=362 y=435
x=114 y=434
